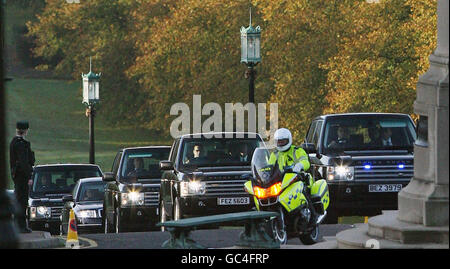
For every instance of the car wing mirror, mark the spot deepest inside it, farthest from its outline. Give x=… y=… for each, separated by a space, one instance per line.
x=309 y=148
x=108 y=177
x=165 y=165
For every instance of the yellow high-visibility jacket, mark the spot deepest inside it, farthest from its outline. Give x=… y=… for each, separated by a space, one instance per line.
x=287 y=158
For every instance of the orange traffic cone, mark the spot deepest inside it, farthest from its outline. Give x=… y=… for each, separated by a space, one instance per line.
x=72 y=235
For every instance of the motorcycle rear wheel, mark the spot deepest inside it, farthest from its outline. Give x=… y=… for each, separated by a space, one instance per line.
x=310 y=238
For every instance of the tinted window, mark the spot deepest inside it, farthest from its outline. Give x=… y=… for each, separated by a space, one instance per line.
x=174 y=152
x=368 y=132
x=309 y=136
x=199 y=152
x=141 y=164
x=61 y=179
x=91 y=191
x=316 y=135
x=116 y=163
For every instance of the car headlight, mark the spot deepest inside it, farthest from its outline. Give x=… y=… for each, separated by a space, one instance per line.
x=132 y=198
x=340 y=172
x=87 y=214
x=39 y=212
x=193 y=187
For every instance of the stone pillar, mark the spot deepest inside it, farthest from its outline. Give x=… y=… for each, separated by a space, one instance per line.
x=425 y=200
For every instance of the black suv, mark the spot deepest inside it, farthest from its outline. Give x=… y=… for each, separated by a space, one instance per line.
x=50 y=183
x=203 y=175
x=132 y=190
x=366 y=158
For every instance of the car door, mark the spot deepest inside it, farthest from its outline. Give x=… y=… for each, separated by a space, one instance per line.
x=111 y=188
x=313 y=137
x=167 y=179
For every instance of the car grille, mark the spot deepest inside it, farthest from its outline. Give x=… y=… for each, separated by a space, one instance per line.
x=56 y=212
x=383 y=169
x=225 y=187
x=151 y=198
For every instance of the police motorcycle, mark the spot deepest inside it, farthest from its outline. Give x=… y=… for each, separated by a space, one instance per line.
x=300 y=202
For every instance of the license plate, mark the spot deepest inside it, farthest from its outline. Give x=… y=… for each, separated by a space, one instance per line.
x=385 y=188
x=233 y=201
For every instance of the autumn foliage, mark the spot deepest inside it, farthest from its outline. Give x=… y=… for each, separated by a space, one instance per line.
x=322 y=56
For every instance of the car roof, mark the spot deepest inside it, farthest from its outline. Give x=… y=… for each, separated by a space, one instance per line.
x=65 y=164
x=147 y=147
x=361 y=114
x=90 y=179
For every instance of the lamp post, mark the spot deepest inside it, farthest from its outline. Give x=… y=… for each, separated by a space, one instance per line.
x=91 y=88
x=250 y=54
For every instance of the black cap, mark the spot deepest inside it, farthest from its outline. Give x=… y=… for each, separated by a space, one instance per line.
x=22 y=125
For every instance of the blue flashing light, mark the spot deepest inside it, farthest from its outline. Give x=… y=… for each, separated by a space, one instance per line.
x=367 y=166
x=401 y=166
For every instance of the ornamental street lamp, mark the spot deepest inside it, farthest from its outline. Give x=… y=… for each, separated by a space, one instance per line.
x=91 y=88
x=251 y=54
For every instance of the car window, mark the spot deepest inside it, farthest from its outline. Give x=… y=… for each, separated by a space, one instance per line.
x=369 y=132
x=309 y=136
x=142 y=164
x=199 y=152
x=316 y=135
x=116 y=163
x=91 y=191
x=174 y=151
x=61 y=179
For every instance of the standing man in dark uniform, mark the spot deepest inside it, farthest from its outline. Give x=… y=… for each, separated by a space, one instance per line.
x=21 y=162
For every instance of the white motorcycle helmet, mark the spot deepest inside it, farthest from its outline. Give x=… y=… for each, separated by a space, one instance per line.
x=283 y=139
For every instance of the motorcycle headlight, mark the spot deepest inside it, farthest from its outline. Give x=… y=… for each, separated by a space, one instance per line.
x=340 y=172
x=132 y=198
x=87 y=214
x=193 y=187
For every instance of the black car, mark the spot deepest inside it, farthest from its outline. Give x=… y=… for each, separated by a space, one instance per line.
x=366 y=158
x=86 y=201
x=132 y=190
x=50 y=183
x=210 y=181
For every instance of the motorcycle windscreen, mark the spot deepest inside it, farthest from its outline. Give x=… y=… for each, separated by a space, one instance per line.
x=292 y=197
x=320 y=188
x=264 y=172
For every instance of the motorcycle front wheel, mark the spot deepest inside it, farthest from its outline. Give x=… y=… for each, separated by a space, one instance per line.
x=278 y=228
x=310 y=238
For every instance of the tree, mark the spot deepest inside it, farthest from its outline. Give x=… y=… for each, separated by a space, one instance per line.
x=193 y=50
x=381 y=57
x=300 y=37
x=71 y=33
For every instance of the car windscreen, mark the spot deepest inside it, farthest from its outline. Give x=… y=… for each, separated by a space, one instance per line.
x=91 y=191
x=61 y=179
x=204 y=152
x=141 y=164
x=368 y=132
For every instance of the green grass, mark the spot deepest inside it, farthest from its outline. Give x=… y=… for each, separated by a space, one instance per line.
x=59 y=129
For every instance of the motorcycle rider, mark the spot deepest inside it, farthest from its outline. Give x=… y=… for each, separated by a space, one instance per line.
x=288 y=154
